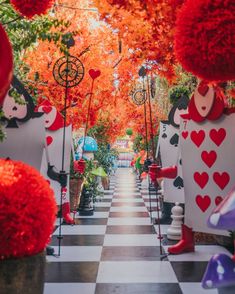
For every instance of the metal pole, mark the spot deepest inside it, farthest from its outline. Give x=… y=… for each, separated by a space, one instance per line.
x=145 y=123
x=151 y=120
x=160 y=237
x=88 y=116
x=72 y=79
x=146 y=144
x=62 y=172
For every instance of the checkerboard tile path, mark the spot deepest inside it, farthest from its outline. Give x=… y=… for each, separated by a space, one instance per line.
x=117 y=250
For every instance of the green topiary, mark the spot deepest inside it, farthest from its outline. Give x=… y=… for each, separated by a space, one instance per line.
x=129 y=132
x=177 y=92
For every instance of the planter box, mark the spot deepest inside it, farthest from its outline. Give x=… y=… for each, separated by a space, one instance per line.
x=23 y=275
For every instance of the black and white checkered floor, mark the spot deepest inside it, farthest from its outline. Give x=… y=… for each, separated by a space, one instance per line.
x=117 y=250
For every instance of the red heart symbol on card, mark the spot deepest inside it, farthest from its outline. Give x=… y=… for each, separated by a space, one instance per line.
x=218 y=199
x=94 y=73
x=203 y=88
x=49 y=140
x=47 y=109
x=209 y=158
x=218 y=136
x=198 y=137
x=185 y=134
x=201 y=179
x=203 y=202
x=221 y=180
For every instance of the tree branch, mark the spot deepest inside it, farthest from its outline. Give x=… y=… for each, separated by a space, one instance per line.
x=117 y=62
x=84 y=51
x=77 y=8
x=13 y=20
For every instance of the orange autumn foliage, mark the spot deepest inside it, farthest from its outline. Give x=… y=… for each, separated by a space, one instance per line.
x=119 y=71
x=147 y=27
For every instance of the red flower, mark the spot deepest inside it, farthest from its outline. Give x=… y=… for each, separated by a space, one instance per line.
x=30 y=8
x=205 y=39
x=27 y=210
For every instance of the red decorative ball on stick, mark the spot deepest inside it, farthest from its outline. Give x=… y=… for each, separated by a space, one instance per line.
x=6 y=64
x=30 y=8
x=80 y=166
x=205 y=39
x=27 y=210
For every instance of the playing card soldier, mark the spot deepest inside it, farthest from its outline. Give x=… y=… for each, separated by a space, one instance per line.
x=206 y=133
x=204 y=45
x=52 y=156
x=169 y=152
x=18 y=105
x=23 y=126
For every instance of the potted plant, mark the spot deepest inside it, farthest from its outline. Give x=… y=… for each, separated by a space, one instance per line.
x=106 y=157
x=75 y=183
x=100 y=174
x=89 y=190
x=27 y=216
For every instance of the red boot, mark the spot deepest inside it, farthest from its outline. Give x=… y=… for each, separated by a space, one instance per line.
x=186 y=244
x=66 y=214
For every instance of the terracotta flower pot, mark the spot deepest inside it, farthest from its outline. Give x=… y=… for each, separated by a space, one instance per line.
x=23 y=275
x=105 y=183
x=75 y=192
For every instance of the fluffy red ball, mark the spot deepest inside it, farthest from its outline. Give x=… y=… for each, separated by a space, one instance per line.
x=30 y=8
x=6 y=64
x=205 y=39
x=27 y=210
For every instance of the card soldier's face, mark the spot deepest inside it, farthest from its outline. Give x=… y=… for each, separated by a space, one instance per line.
x=204 y=100
x=49 y=114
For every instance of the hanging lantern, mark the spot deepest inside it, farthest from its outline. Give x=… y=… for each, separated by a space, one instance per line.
x=6 y=64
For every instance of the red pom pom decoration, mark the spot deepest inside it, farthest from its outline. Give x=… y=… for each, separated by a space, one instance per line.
x=27 y=210
x=6 y=64
x=205 y=39
x=30 y=8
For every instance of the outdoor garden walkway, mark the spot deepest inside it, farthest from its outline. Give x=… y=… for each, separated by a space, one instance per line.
x=117 y=250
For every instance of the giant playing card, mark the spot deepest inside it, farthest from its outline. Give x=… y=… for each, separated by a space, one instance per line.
x=25 y=143
x=208 y=159
x=24 y=128
x=170 y=155
x=55 y=147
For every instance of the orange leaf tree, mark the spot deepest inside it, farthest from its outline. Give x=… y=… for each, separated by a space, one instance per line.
x=97 y=46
